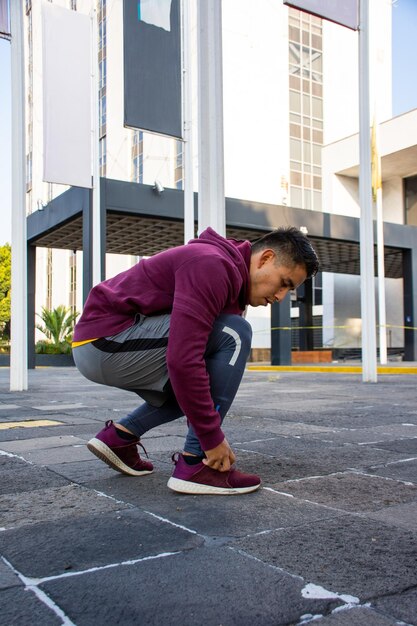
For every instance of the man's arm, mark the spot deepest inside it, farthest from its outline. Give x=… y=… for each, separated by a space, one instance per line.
x=202 y=290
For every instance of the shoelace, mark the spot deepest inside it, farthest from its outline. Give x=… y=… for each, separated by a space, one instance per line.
x=143 y=448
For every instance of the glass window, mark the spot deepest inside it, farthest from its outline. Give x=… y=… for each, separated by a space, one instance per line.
x=295 y=130
x=317 y=199
x=317 y=136
x=295 y=178
x=294 y=33
x=296 y=197
x=102 y=156
x=102 y=109
x=295 y=149
x=316 y=41
x=316 y=154
x=317 y=182
x=294 y=82
x=410 y=194
x=307 y=152
x=102 y=73
x=307 y=200
x=317 y=107
x=317 y=88
x=295 y=102
x=316 y=61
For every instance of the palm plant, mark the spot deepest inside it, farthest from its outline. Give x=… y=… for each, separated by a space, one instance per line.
x=58 y=325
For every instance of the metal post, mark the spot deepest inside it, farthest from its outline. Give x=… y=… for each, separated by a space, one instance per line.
x=383 y=358
x=187 y=125
x=281 y=332
x=97 y=269
x=211 y=200
x=369 y=369
x=18 y=356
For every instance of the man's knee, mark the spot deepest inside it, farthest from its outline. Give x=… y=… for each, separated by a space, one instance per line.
x=242 y=328
x=238 y=334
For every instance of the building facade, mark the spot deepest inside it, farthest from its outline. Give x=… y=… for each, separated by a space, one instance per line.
x=290 y=83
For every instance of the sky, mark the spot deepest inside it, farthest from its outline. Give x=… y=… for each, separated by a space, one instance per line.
x=404 y=44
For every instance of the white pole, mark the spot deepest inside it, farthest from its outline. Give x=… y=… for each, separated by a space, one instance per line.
x=95 y=138
x=381 y=280
x=19 y=331
x=369 y=367
x=187 y=125
x=211 y=200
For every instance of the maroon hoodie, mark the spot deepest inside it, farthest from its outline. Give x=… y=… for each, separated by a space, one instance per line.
x=195 y=283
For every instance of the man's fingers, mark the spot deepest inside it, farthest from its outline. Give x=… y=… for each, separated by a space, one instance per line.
x=222 y=465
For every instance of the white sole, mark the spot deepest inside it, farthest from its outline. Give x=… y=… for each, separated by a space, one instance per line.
x=104 y=453
x=185 y=486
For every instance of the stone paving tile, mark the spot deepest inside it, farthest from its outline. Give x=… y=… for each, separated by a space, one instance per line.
x=406 y=446
x=8 y=578
x=55 y=406
x=83 y=431
x=348 y=555
x=22 y=415
x=402 y=515
x=375 y=435
x=28 y=478
x=357 y=616
x=81 y=472
x=92 y=541
x=266 y=595
x=215 y=517
x=351 y=491
x=298 y=458
x=56 y=503
x=404 y=469
x=9 y=461
x=39 y=443
x=402 y=606
x=84 y=472
x=162 y=444
x=68 y=454
x=22 y=608
x=344 y=417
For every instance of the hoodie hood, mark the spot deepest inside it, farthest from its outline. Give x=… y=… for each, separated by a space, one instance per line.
x=238 y=250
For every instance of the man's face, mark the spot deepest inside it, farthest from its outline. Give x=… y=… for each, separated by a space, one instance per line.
x=269 y=281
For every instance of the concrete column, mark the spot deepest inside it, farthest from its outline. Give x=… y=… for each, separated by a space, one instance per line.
x=410 y=304
x=31 y=276
x=281 y=339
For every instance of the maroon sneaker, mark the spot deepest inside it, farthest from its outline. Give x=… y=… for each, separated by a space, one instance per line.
x=203 y=480
x=120 y=454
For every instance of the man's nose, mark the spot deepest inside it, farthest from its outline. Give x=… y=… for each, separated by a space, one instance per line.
x=281 y=293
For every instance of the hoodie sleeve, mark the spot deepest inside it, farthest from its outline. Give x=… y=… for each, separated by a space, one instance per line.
x=203 y=286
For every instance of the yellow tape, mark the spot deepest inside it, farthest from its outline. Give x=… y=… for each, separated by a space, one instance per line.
x=326 y=369
x=342 y=326
x=28 y=424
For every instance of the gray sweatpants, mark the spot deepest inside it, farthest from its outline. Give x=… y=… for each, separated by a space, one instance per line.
x=135 y=359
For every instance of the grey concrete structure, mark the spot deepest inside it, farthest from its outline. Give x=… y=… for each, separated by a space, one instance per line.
x=135 y=220
x=331 y=536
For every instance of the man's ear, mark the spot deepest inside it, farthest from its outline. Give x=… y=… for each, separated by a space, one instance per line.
x=266 y=256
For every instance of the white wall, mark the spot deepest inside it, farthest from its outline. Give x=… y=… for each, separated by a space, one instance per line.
x=255 y=84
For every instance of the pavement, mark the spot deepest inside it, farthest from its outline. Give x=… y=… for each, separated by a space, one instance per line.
x=330 y=538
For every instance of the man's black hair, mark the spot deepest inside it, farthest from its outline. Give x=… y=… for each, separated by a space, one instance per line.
x=291 y=246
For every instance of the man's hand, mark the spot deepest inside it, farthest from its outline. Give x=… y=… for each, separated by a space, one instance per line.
x=221 y=457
